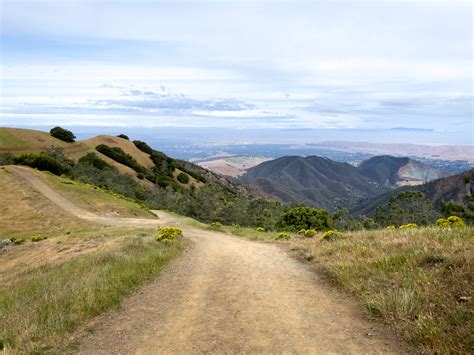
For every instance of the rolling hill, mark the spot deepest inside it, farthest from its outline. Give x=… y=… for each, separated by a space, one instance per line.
x=457 y=188
x=312 y=180
x=394 y=171
x=134 y=169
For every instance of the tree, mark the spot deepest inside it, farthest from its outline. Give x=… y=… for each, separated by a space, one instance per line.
x=124 y=136
x=298 y=218
x=63 y=134
x=183 y=178
x=406 y=207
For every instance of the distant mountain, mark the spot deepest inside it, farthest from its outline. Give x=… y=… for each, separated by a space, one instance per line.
x=313 y=180
x=457 y=188
x=393 y=171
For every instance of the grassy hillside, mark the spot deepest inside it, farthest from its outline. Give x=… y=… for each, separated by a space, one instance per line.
x=419 y=281
x=53 y=285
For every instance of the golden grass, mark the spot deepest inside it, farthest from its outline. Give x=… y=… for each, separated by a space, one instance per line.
x=52 y=300
x=96 y=200
x=419 y=281
x=25 y=212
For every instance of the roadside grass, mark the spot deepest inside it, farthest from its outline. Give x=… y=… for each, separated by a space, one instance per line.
x=25 y=212
x=419 y=281
x=52 y=300
x=95 y=199
x=245 y=232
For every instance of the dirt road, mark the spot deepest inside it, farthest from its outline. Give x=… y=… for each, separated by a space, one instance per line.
x=228 y=295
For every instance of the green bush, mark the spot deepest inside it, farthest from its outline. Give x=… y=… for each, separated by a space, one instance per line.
x=38 y=238
x=120 y=156
x=309 y=233
x=183 y=178
x=451 y=221
x=332 y=235
x=141 y=176
x=391 y=227
x=168 y=234
x=62 y=134
x=145 y=148
x=302 y=231
x=298 y=218
x=260 y=229
x=42 y=162
x=17 y=241
x=94 y=160
x=283 y=236
x=124 y=136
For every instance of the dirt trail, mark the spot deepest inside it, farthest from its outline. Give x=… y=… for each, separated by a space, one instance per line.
x=228 y=295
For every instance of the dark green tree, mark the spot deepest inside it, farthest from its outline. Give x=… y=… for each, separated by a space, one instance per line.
x=297 y=218
x=63 y=134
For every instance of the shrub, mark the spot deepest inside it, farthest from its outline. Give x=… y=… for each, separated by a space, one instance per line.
x=41 y=162
x=183 y=178
x=38 y=238
x=302 y=231
x=145 y=148
x=283 y=236
x=310 y=233
x=260 y=229
x=94 y=160
x=391 y=227
x=442 y=222
x=17 y=241
x=120 y=156
x=168 y=234
x=332 y=235
x=455 y=221
x=408 y=226
x=216 y=226
x=297 y=218
x=124 y=136
x=62 y=134
x=141 y=176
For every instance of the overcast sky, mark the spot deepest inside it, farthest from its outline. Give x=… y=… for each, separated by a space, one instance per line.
x=374 y=65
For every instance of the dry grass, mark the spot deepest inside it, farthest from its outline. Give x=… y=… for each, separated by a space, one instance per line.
x=420 y=281
x=25 y=212
x=52 y=300
x=96 y=200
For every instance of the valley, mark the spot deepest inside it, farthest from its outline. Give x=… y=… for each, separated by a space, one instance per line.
x=266 y=262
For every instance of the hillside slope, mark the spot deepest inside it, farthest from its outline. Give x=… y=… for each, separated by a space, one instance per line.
x=312 y=180
x=395 y=171
x=457 y=188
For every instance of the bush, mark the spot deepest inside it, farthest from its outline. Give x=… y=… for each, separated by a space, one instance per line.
x=94 y=160
x=408 y=226
x=123 y=136
x=141 y=176
x=38 y=238
x=183 y=178
x=168 y=234
x=6 y=158
x=298 y=218
x=283 y=236
x=309 y=233
x=17 y=241
x=120 y=156
x=452 y=221
x=332 y=235
x=41 y=162
x=62 y=134
x=260 y=229
x=145 y=148
x=302 y=231
x=391 y=227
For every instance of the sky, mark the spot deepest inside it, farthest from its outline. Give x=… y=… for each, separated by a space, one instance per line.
x=395 y=70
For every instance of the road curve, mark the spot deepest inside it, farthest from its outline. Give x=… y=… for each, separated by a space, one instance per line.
x=227 y=295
